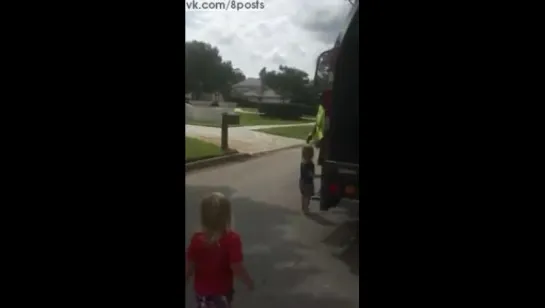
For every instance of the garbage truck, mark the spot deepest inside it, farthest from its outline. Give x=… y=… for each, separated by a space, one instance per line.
x=337 y=80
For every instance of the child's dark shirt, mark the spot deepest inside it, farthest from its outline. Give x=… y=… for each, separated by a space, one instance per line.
x=307 y=173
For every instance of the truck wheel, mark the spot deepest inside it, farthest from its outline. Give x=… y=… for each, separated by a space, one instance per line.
x=327 y=202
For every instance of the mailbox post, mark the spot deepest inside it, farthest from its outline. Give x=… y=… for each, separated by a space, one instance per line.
x=226 y=120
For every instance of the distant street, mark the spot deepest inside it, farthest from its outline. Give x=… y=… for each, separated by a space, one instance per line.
x=245 y=139
x=296 y=261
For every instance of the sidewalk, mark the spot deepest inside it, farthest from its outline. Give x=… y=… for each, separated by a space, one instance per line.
x=256 y=127
x=244 y=139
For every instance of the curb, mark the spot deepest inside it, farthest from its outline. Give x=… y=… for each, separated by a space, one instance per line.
x=200 y=164
x=238 y=157
x=259 y=154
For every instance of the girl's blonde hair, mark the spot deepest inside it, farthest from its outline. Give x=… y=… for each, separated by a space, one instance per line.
x=308 y=152
x=215 y=216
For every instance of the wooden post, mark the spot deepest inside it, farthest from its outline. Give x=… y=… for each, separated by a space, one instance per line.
x=224 y=130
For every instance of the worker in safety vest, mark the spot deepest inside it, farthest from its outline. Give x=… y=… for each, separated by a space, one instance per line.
x=317 y=133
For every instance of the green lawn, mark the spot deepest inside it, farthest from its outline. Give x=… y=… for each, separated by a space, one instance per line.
x=195 y=148
x=248 y=119
x=201 y=123
x=254 y=110
x=298 y=132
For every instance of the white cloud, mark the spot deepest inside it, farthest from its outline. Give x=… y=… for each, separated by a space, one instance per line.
x=288 y=32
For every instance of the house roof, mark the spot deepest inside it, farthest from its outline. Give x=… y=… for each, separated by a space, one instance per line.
x=249 y=82
x=270 y=93
x=254 y=83
x=250 y=93
x=266 y=93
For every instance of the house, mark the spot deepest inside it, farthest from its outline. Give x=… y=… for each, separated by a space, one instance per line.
x=254 y=91
x=250 y=95
x=216 y=96
x=249 y=84
x=269 y=96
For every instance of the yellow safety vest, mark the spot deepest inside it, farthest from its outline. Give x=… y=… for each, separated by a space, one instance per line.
x=320 y=121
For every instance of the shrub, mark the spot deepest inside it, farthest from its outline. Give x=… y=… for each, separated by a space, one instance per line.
x=242 y=103
x=309 y=110
x=285 y=111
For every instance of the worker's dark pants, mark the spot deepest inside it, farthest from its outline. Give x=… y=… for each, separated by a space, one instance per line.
x=320 y=163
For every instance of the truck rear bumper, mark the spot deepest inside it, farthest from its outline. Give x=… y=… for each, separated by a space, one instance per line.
x=339 y=181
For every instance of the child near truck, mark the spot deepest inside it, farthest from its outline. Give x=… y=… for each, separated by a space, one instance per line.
x=306 y=177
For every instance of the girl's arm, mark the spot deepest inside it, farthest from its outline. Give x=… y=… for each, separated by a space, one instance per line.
x=240 y=271
x=235 y=259
x=311 y=171
x=189 y=270
x=190 y=260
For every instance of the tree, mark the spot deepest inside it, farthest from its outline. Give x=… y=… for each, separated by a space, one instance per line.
x=205 y=70
x=263 y=73
x=290 y=82
x=238 y=75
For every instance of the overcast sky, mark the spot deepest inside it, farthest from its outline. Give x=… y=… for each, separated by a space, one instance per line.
x=287 y=32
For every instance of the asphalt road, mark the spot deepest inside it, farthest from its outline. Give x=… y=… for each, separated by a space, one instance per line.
x=296 y=261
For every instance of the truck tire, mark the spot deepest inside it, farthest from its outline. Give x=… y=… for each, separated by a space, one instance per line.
x=327 y=202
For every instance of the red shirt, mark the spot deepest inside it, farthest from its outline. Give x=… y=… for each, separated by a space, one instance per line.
x=213 y=274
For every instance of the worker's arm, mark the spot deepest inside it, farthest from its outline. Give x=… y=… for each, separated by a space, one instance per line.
x=315 y=127
x=311 y=134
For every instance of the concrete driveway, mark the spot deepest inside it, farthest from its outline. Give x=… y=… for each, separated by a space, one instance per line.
x=296 y=261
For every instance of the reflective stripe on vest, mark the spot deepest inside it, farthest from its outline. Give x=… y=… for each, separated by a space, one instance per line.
x=320 y=121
